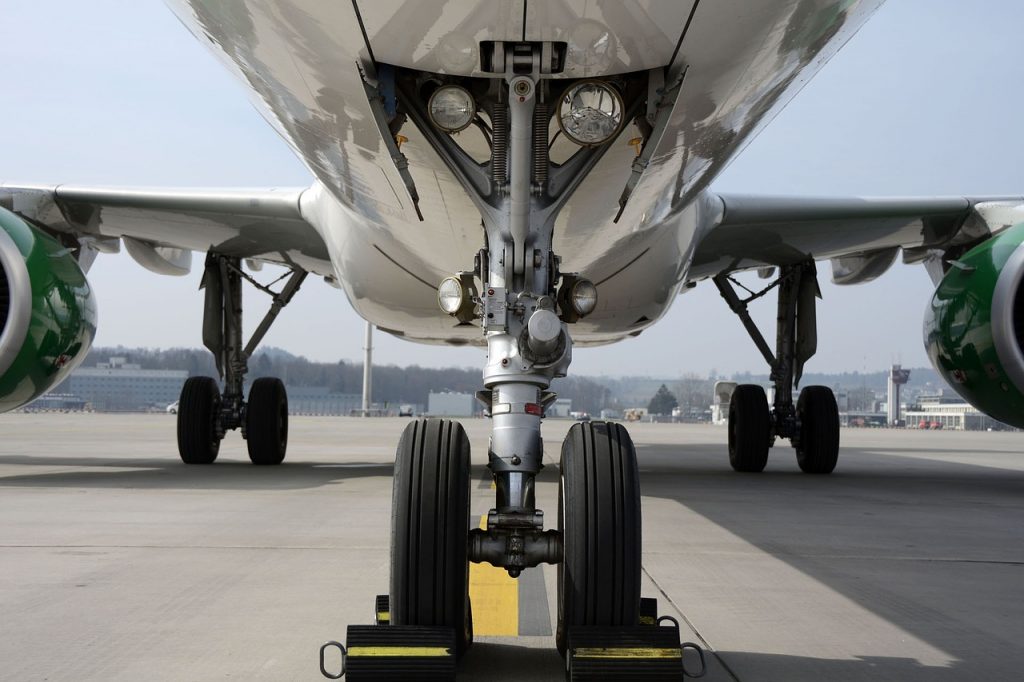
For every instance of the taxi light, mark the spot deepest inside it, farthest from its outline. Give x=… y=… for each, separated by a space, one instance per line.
x=452 y=108
x=591 y=113
x=577 y=297
x=456 y=296
x=450 y=295
x=583 y=297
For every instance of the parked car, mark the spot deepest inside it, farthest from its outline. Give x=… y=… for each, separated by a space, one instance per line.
x=173 y=408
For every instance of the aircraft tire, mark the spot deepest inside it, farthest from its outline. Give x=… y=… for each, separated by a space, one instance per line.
x=430 y=529
x=817 y=451
x=599 y=517
x=198 y=408
x=266 y=421
x=749 y=429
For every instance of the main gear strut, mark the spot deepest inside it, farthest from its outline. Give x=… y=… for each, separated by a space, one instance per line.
x=812 y=424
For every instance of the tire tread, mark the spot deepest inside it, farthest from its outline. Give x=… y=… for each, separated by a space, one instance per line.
x=197 y=406
x=430 y=528
x=749 y=429
x=818 y=448
x=600 y=494
x=266 y=416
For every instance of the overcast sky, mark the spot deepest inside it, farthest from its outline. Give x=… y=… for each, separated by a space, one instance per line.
x=925 y=100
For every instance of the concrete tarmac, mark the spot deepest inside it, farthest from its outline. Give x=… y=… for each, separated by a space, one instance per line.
x=119 y=563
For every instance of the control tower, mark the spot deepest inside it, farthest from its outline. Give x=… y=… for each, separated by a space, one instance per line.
x=897 y=377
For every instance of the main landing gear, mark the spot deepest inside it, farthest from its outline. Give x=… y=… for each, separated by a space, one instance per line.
x=812 y=424
x=205 y=413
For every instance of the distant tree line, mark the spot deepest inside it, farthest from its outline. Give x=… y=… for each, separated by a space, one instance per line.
x=391 y=384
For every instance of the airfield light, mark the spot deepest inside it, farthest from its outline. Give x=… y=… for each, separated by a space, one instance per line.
x=452 y=108
x=591 y=113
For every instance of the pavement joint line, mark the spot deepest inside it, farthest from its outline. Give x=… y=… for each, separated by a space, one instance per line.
x=863 y=557
x=346 y=548
x=707 y=646
x=868 y=557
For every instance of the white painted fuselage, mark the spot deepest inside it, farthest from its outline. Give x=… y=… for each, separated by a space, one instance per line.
x=740 y=61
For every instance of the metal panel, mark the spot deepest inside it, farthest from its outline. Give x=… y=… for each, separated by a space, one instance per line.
x=438 y=35
x=610 y=36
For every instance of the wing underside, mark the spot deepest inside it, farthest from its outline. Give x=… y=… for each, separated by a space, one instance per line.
x=161 y=227
x=861 y=236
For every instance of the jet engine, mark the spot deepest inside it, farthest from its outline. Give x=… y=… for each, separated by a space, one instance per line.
x=47 y=312
x=974 y=327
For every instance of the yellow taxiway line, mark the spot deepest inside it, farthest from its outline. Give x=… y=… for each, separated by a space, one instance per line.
x=495 y=599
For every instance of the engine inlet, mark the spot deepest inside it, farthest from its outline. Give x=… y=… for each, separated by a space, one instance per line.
x=5 y=298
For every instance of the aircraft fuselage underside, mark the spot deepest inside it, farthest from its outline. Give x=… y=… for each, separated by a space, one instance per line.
x=309 y=64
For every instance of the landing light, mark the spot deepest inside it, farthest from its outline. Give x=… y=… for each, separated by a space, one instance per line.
x=591 y=113
x=452 y=108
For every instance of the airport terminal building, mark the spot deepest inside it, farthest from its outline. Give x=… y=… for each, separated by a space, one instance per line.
x=944 y=411
x=119 y=385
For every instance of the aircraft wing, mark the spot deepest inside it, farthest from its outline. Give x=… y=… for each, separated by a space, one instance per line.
x=861 y=236
x=161 y=227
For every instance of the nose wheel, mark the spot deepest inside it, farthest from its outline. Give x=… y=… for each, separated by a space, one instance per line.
x=599 y=517
x=430 y=529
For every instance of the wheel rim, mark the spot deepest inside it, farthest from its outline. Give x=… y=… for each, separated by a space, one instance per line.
x=282 y=425
x=214 y=414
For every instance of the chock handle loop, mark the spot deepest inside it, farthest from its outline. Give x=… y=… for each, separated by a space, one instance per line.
x=700 y=655
x=323 y=663
x=689 y=645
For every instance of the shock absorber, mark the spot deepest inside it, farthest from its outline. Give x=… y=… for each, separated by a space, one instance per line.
x=499 y=140
x=540 y=146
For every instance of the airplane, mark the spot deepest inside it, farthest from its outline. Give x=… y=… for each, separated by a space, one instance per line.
x=524 y=177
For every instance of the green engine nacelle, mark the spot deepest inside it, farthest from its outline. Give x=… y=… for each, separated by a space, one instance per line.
x=974 y=328
x=47 y=312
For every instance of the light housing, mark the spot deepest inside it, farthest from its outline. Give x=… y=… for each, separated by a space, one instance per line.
x=577 y=297
x=583 y=297
x=457 y=296
x=591 y=112
x=451 y=108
